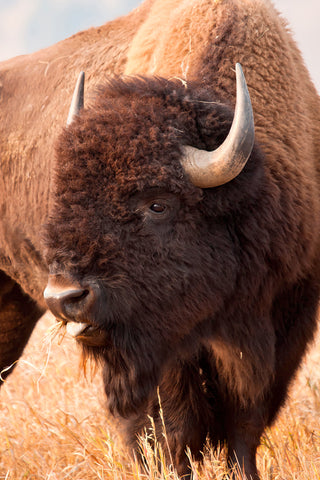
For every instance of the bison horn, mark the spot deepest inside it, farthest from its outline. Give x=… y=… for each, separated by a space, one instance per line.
x=211 y=169
x=77 y=99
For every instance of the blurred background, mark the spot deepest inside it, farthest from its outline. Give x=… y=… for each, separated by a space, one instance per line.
x=29 y=25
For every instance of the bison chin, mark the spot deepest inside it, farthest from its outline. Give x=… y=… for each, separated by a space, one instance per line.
x=130 y=373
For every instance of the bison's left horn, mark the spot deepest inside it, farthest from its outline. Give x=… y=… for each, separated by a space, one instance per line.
x=211 y=169
x=77 y=99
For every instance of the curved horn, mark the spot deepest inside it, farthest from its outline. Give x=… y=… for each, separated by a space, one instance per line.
x=211 y=169
x=77 y=99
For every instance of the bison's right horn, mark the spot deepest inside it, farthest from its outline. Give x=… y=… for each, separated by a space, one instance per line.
x=211 y=169
x=77 y=99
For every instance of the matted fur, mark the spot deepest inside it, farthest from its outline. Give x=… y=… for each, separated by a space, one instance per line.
x=215 y=301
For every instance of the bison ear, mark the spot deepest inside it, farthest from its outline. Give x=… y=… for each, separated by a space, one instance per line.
x=77 y=99
x=211 y=169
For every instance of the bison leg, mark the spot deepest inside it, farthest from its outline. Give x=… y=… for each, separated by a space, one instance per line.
x=243 y=441
x=18 y=316
x=240 y=428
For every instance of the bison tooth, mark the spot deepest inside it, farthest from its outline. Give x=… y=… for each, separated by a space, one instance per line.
x=75 y=328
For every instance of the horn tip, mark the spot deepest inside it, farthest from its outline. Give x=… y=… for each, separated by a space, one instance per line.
x=77 y=99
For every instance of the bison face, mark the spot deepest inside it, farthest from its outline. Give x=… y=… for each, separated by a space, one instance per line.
x=140 y=258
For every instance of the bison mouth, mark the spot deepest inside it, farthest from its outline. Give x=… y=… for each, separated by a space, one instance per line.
x=86 y=333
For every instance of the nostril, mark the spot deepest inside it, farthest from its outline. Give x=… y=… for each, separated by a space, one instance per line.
x=68 y=303
x=74 y=301
x=75 y=296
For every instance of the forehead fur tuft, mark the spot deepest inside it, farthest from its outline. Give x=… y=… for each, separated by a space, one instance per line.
x=134 y=132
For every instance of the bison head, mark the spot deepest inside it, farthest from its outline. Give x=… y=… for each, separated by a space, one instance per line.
x=141 y=258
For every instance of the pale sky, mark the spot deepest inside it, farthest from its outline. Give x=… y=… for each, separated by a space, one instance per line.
x=29 y=25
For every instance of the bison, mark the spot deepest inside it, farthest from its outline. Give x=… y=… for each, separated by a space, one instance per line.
x=179 y=215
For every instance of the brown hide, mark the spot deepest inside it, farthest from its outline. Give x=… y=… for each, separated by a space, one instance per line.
x=35 y=92
x=241 y=283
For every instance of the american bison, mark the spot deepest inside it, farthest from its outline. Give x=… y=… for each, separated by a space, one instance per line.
x=180 y=247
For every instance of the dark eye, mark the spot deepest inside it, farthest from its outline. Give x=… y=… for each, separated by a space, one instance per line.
x=158 y=207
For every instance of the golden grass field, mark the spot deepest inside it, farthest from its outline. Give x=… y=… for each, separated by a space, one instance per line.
x=53 y=424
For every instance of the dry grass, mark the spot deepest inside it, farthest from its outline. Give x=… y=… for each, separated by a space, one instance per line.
x=54 y=426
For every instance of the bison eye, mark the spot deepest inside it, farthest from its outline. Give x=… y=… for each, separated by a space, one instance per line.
x=158 y=207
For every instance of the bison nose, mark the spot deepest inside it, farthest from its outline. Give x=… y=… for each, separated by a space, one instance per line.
x=68 y=301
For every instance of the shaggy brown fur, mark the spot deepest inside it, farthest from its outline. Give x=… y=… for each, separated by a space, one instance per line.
x=215 y=299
